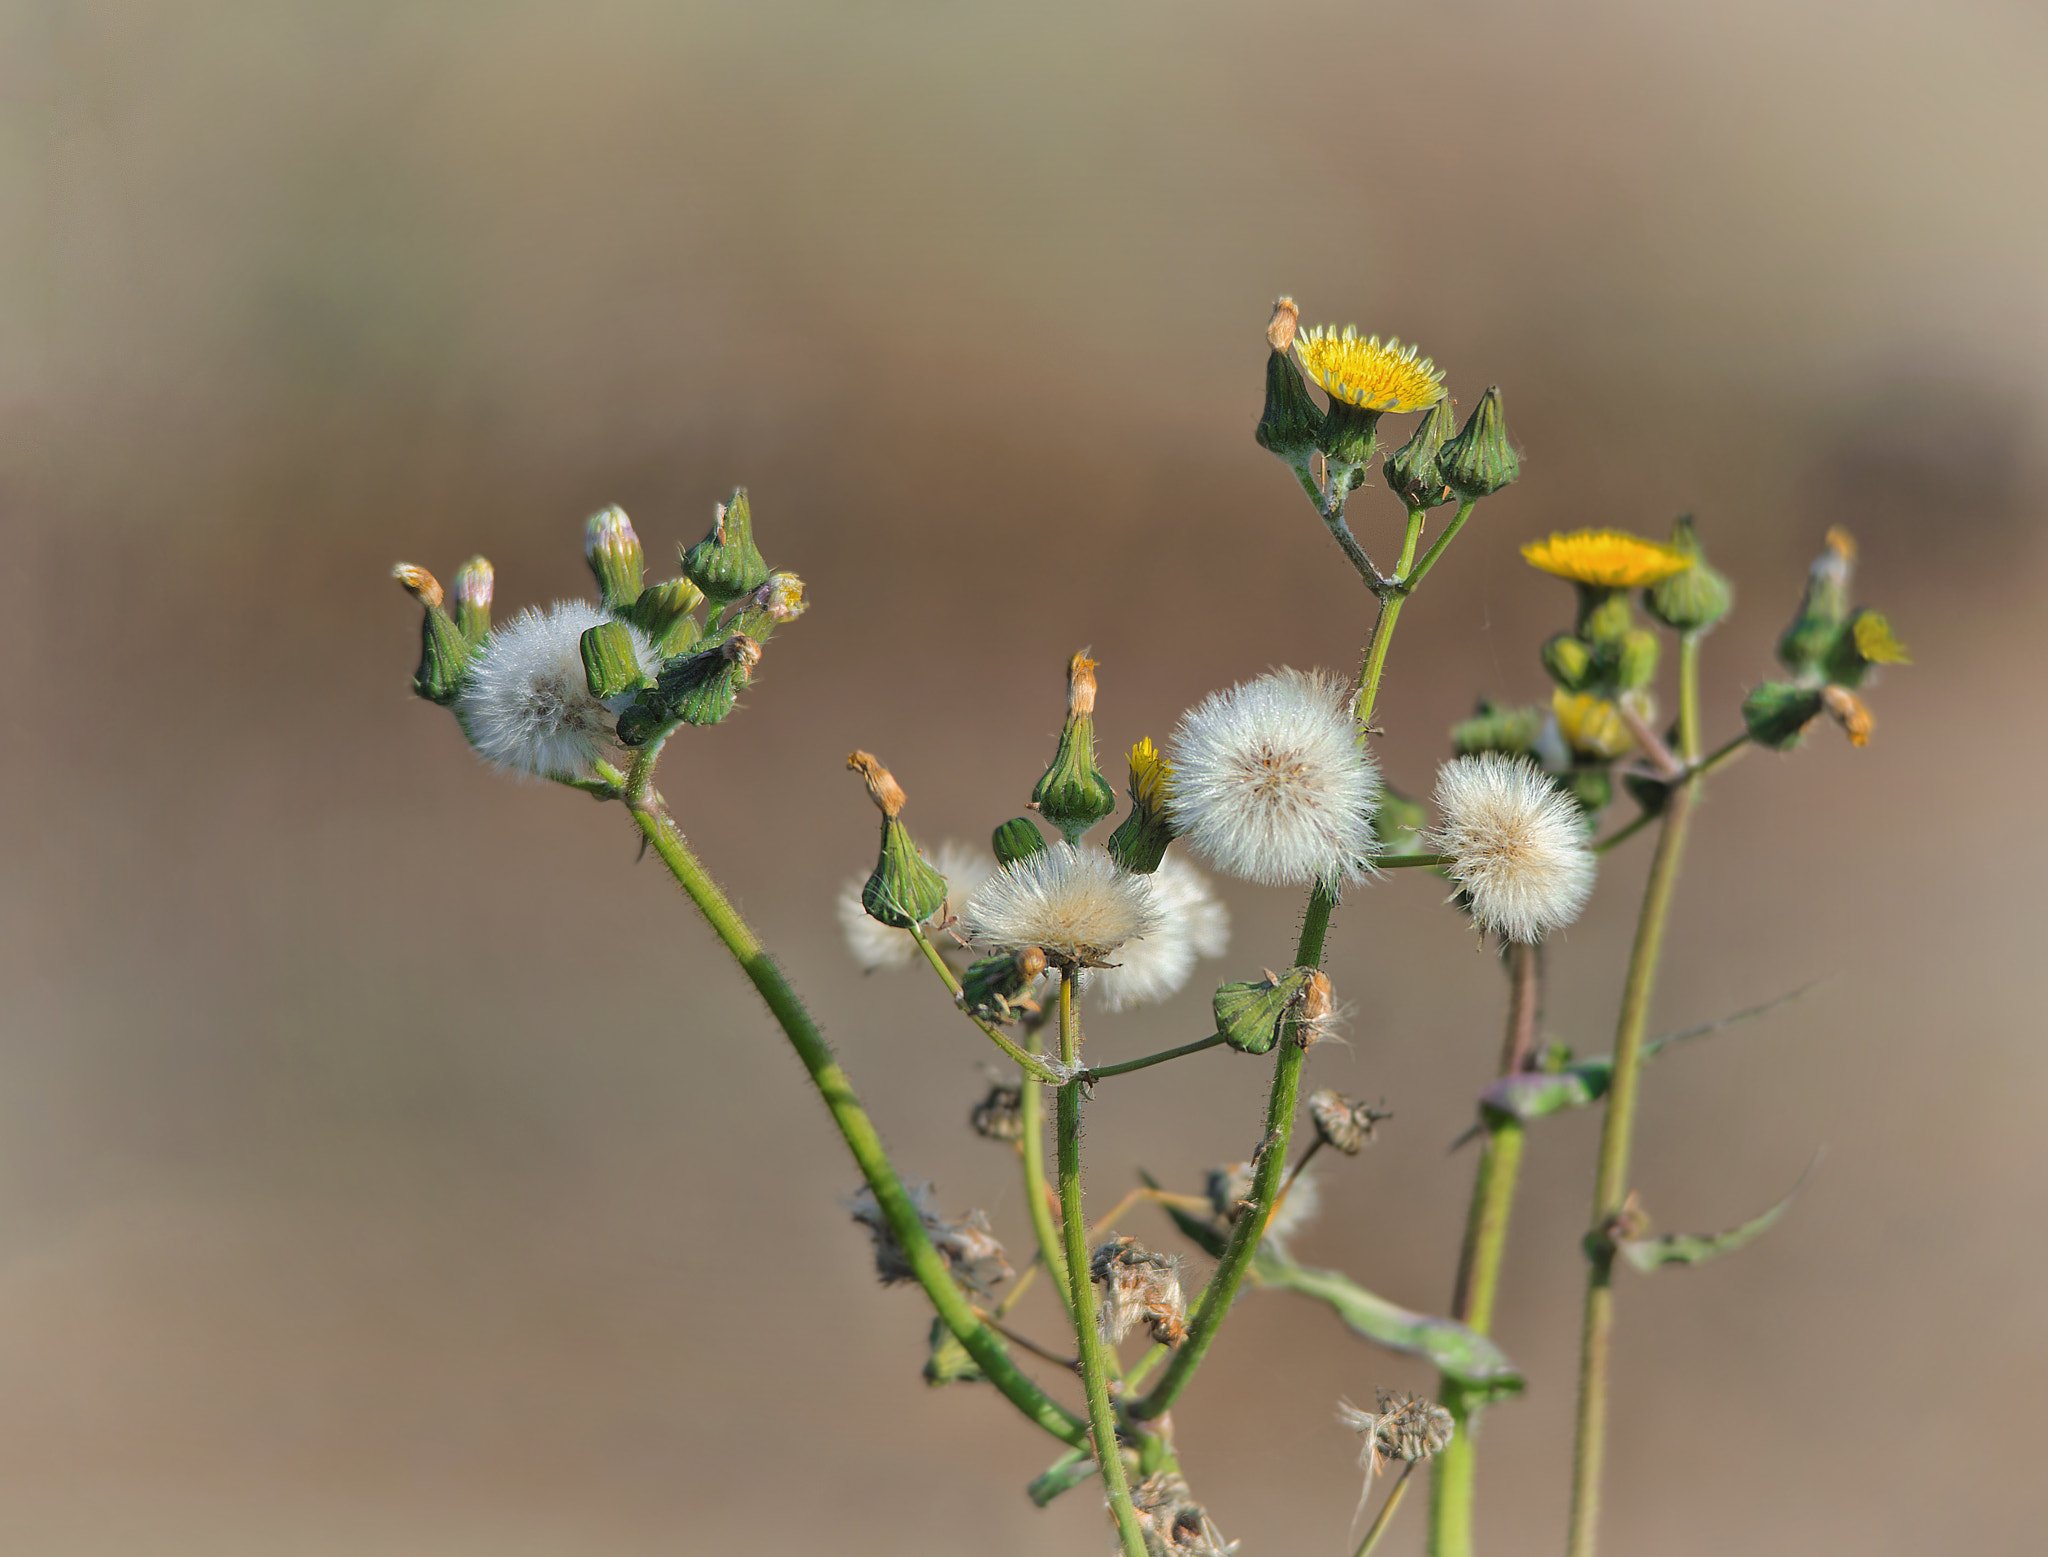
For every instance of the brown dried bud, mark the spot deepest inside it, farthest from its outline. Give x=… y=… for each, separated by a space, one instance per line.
x=1138 y=1284
x=1080 y=686
x=1285 y=321
x=1174 y=1524
x=420 y=584
x=883 y=789
x=1406 y=1427
x=741 y=650
x=1312 y=1016
x=1850 y=713
x=1000 y=1115
x=1343 y=1122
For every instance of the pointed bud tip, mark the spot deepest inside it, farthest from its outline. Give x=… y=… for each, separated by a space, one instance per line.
x=883 y=789
x=1285 y=321
x=419 y=583
x=1080 y=686
x=475 y=582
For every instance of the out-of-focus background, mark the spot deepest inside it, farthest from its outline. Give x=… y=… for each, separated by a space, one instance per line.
x=388 y=1164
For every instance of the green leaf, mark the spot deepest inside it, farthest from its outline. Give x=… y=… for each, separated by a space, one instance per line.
x=949 y=1362
x=1063 y=1475
x=1647 y=1254
x=1458 y=1350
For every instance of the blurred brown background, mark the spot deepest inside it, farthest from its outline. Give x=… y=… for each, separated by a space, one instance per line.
x=387 y=1165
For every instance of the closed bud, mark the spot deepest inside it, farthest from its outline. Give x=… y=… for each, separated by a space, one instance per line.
x=998 y=988
x=1249 y=1012
x=1291 y=421
x=1591 y=789
x=1348 y=437
x=1343 y=1122
x=1604 y=615
x=613 y=552
x=1493 y=728
x=663 y=612
x=1694 y=600
x=474 y=582
x=902 y=890
x=1017 y=839
x=1479 y=461
x=1592 y=726
x=1073 y=795
x=703 y=688
x=726 y=564
x=1569 y=661
x=1411 y=471
x=1823 y=609
x=1635 y=664
x=611 y=660
x=1777 y=713
x=444 y=651
x=1140 y=840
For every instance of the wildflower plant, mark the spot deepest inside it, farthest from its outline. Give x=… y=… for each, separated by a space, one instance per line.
x=1275 y=781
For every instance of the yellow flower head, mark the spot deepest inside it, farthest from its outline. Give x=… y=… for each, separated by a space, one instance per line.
x=1367 y=374
x=1151 y=776
x=1876 y=642
x=1606 y=559
x=1590 y=725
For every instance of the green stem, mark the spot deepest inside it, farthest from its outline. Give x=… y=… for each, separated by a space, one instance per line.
x=1623 y=834
x=1723 y=755
x=1031 y=1118
x=1095 y=1073
x=1386 y=1514
x=1410 y=580
x=1455 y=1469
x=1689 y=698
x=1610 y=1187
x=854 y=1125
x=1032 y=1065
x=1411 y=861
x=1109 y=1457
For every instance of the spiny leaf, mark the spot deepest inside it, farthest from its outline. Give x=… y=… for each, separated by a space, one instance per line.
x=1647 y=1254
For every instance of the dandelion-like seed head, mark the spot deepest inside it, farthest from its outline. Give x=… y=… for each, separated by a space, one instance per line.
x=1156 y=964
x=1606 y=559
x=1517 y=845
x=1271 y=782
x=1072 y=900
x=526 y=704
x=1367 y=373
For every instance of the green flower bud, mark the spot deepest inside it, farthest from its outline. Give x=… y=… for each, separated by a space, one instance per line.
x=1636 y=659
x=1823 y=610
x=1290 y=423
x=1592 y=788
x=1604 y=615
x=902 y=890
x=702 y=688
x=444 y=651
x=1776 y=714
x=1398 y=823
x=1073 y=795
x=474 y=581
x=1140 y=840
x=663 y=613
x=1411 y=471
x=611 y=660
x=1569 y=661
x=1017 y=839
x=726 y=564
x=613 y=552
x=1866 y=639
x=1480 y=460
x=1493 y=728
x=1350 y=432
x=1648 y=791
x=996 y=988
x=1694 y=600
x=1249 y=1013
x=779 y=599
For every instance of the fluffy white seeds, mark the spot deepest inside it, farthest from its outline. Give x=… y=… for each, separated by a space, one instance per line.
x=1517 y=842
x=1156 y=964
x=1271 y=782
x=527 y=703
x=1075 y=903
x=876 y=945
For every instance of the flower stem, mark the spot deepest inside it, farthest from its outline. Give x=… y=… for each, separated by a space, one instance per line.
x=1095 y=1073
x=1410 y=580
x=1080 y=1291
x=1383 y=627
x=1411 y=861
x=1031 y=1064
x=1486 y=1235
x=1610 y=1186
x=1031 y=1118
x=1386 y=1514
x=854 y=1125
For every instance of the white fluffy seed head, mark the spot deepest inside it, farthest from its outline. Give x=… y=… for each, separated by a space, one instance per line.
x=1271 y=781
x=1074 y=902
x=1156 y=964
x=875 y=945
x=526 y=704
x=1517 y=842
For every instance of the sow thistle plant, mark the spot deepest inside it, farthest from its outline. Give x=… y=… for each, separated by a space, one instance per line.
x=1273 y=780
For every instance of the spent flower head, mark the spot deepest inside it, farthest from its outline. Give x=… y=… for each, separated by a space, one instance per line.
x=526 y=704
x=1072 y=900
x=1517 y=845
x=968 y=1247
x=1405 y=1427
x=1271 y=781
x=1344 y=1122
x=1138 y=1286
x=1361 y=371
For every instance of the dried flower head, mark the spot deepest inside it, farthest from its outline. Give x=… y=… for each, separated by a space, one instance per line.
x=968 y=1247
x=1072 y=900
x=1344 y=1122
x=1849 y=712
x=1174 y=1524
x=1606 y=559
x=1156 y=964
x=876 y=945
x=1517 y=845
x=527 y=706
x=999 y=1116
x=1365 y=373
x=1138 y=1285
x=1271 y=781
x=1285 y=321
x=1406 y=1427
x=1230 y=1191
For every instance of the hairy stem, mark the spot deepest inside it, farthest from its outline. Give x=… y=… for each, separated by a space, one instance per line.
x=1386 y=1514
x=1410 y=580
x=1031 y=1116
x=1095 y=1073
x=1081 y=1292
x=1032 y=1065
x=854 y=1125
x=1610 y=1187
